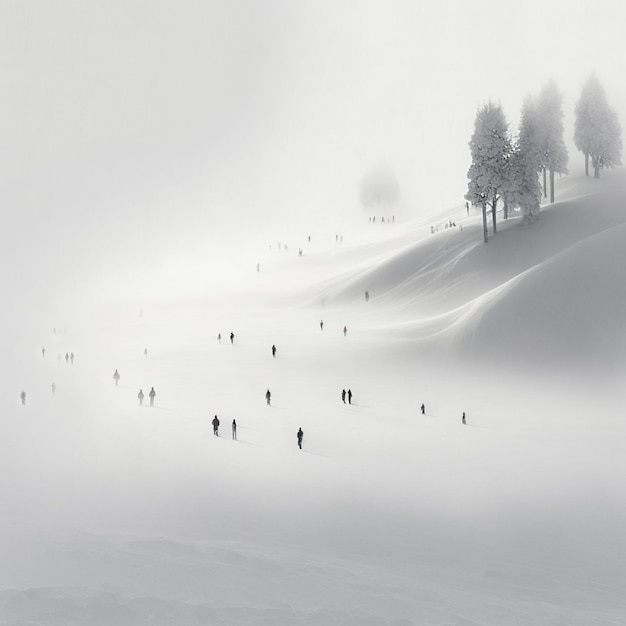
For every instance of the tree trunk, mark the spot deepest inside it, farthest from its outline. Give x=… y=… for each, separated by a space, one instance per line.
x=551 y=185
x=485 y=234
x=494 y=204
x=596 y=170
x=545 y=184
x=506 y=208
x=586 y=164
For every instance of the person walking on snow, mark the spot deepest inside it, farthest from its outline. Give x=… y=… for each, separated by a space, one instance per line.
x=152 y=396
x=423 y=409
x=23 y=398
x=300 y=436
x=216 y=424
x=463 y=418
x=321 y=324
x=116 y=377
x=345 y=331
x=343 y=396
x=232 y=337
x=219 y=337
x=274 y=351
x=349 y=396
x=140 y=396
x=234 y=429
x=268 y=397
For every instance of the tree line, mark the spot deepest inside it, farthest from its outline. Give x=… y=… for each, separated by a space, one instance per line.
x=513 y=172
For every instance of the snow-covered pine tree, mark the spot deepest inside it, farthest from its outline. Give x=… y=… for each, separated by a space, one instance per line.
x=490 y=147
x=597 y=131
x=523 y=189
x=550 y=117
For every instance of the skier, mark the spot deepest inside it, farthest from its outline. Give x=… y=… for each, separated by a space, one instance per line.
x=345 y=331
x=367 y=296
x=300 y=436
x=349 y=396
x=23 y=397
x=234 y=428
x=215 y=423
x=152 y=396
x=140 y=396
x=463 y=418
x=232 y=337
x=268 y=397
x=423 y=409
x=274 y=351
x=321 y=324
x=343 y=396
x=116 y=377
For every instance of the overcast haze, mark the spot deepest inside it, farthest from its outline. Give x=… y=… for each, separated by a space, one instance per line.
x=132 y=128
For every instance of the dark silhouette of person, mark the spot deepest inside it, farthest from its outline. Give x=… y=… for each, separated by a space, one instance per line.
x=53 y=387
x=43 y=352
x=273 y=351
x=67 y=357
x=349 y=396
x=423 y=409
x=321 y=324
x=216 y=424
x=300 y=436
x=23 y=397
x=152 y=396
x=463 y=418
x=232 y=337
x=72 y=358
x=343 y=396
x=345 y=331
x=140 y=396
x=234 y=428
x=268 y=397
x=145 y=353
x=219 y=337
x=367 y=296
x=116 y=377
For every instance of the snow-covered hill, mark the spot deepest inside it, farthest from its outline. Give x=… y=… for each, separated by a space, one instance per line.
x=119 y=514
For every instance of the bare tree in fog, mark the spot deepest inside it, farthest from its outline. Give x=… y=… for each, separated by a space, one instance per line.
x=379 y=191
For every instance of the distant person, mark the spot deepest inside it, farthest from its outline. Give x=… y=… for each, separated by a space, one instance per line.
x=274 y=351
x=258 y=267
x=234 y=429
x=343 y=396
x=72 y=358
x=23 y=397
x=140 y=396
x=321 y=324
x=53 y=387
x=367 y=296
x=43 y=352
x=145 y=353
x=268 y=397
x=232 y=338
x=116 y=377
x=219 y=337
x=300 y=435
x=299 y=251
x=152 y=396
x=309 y=238
x=423 y=409
x=463 y=418
x=67 y=357
x=345 y=331
x=216 y=424
x=349 y=396
x=467 y=207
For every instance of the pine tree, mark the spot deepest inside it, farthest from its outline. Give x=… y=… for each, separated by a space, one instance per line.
x=597 y=131
x=490 y=147
x=550 y=118
x=523 y=188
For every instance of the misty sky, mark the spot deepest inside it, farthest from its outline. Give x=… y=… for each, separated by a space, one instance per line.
x=129 y=121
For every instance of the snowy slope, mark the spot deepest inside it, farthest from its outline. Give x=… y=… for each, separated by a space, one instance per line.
x=119 y=514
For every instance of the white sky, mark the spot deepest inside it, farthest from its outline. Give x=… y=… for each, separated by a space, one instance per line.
x=153 y=120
